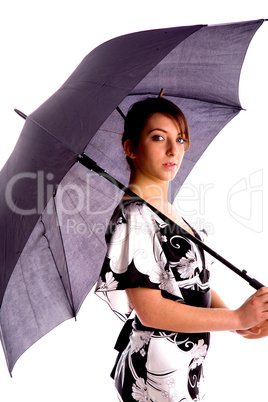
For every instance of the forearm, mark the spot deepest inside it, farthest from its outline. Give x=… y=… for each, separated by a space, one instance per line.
x=216 y=301
x=184 y=318
x=157 y=312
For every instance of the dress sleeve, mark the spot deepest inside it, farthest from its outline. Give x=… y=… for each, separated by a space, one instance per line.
x=134 y=258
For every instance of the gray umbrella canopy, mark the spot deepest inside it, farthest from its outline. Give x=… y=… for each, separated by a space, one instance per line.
x=54 y=211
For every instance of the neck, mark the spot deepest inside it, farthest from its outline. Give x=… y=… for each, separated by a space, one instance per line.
x=152 y=191
x=155 y=193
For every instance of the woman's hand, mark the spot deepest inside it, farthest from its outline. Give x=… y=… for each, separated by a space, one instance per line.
x=257 y=332
x=253 y=314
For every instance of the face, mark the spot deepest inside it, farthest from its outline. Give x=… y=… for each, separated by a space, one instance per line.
x=160 y=150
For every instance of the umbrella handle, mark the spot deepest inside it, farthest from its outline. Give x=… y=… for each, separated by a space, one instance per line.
x=92 y=165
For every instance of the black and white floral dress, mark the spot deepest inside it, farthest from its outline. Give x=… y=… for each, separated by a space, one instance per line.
x=154 y=365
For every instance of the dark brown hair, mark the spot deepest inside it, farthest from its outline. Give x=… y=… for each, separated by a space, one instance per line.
x=139 y=113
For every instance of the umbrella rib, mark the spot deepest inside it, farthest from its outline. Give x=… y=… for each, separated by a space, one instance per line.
x=71 y=302
x=62 y=242
x=5 y=350
x=52 y=135
x=28 y=295
x=189 y=98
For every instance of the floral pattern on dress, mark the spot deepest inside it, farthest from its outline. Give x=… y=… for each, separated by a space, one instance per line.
x=142 y=251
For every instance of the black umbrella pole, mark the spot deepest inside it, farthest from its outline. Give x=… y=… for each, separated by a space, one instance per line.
x=92 y=165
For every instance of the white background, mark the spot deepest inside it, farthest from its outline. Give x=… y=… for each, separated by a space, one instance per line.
x=41 y=44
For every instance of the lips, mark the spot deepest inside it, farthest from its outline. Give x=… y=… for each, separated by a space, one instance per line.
x=170 y=165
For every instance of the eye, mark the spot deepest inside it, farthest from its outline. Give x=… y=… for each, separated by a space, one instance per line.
x=181 y=140
x=158 y=138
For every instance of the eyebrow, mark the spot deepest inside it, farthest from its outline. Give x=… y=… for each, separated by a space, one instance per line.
x=162 y=130
x=157 y=129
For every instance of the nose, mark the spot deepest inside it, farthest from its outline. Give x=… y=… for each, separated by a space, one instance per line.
x=172 y=148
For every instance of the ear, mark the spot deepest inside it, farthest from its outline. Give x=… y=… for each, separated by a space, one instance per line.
x=129 y=149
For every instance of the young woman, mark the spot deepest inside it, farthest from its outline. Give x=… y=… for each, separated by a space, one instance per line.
x=162 y=277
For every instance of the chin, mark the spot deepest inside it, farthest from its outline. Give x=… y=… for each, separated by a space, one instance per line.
x=171 y=176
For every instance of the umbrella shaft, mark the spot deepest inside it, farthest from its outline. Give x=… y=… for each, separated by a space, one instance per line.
x=92 y=165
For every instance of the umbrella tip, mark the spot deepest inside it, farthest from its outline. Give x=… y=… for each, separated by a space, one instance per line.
x=20 y=114
x=161 y=93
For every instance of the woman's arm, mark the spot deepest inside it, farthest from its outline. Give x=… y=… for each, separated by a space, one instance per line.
x=157 y=312
x=216 y=301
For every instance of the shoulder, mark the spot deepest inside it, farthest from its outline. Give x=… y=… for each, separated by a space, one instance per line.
x=136 y=209
x=139 y=211
x=134 y=215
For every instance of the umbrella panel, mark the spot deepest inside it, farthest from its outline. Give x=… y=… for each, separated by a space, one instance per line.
x=205 y=66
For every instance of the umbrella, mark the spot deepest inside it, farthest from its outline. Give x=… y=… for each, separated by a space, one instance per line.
x=54 y=212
